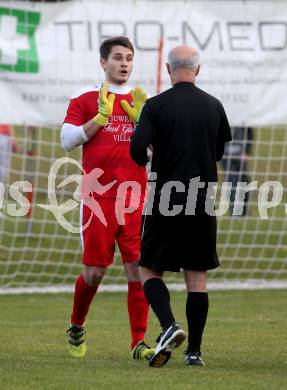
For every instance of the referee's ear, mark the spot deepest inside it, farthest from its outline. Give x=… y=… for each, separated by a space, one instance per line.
x=168 y=68
x=197 y=70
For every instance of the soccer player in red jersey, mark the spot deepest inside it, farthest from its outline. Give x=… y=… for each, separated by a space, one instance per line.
x=101 y=118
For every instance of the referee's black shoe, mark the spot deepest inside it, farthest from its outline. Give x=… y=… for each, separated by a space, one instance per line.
x=193 y=359
x=168 y=340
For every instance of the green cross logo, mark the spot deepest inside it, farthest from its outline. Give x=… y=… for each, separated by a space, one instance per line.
x=18 y=51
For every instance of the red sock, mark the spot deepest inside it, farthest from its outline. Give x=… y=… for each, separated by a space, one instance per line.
x=138 y=311
x=83 y=297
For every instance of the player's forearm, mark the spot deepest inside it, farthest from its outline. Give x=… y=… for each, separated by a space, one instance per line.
x=141 y=148
x=138 y=150
x=72 y=136
x=90 y=128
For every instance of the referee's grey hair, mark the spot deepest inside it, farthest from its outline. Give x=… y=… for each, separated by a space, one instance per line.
x=175 y=62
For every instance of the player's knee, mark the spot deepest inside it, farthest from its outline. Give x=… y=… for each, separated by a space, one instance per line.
x=196 y=281
x=93 y=275
x=132 y=271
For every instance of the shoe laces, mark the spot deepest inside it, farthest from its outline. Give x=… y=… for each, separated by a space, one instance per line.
x=141 y=346
x=188 y=353
x=76 y=332
x=159 y=337
x=163 y=332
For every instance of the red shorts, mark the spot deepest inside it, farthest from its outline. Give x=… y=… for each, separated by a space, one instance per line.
x=99 y=240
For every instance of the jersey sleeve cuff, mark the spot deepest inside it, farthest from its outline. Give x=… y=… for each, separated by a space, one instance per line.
x=83 y=134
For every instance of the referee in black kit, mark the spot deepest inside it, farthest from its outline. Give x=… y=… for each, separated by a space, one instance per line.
x=187 y=130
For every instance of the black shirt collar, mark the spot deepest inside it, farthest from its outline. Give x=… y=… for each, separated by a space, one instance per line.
x=184 y=83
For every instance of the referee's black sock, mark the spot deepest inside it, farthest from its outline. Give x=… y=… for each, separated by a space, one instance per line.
x=158 y=297
x=196 y=314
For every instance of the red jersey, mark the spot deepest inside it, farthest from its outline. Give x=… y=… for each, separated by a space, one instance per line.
x=109 y=148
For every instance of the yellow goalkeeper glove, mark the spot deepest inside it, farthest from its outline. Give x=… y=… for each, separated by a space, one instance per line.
x=105 y=105
x=139 y=98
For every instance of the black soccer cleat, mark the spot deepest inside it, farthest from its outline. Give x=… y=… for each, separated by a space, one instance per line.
x=193 y=359
x=168 y=340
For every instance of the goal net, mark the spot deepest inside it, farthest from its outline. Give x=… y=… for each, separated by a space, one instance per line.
x=50 y=49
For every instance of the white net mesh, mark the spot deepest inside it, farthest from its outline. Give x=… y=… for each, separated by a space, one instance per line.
x=35 y=250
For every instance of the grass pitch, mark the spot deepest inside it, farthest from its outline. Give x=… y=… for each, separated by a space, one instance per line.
x=245 y=345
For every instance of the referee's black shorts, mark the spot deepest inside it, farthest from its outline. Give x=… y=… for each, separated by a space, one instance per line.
x=170 y=243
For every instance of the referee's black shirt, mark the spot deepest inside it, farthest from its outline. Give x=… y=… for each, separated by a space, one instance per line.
x=187 y=128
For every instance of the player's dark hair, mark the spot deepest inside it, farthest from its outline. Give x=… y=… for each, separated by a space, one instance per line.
x=108 y=44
